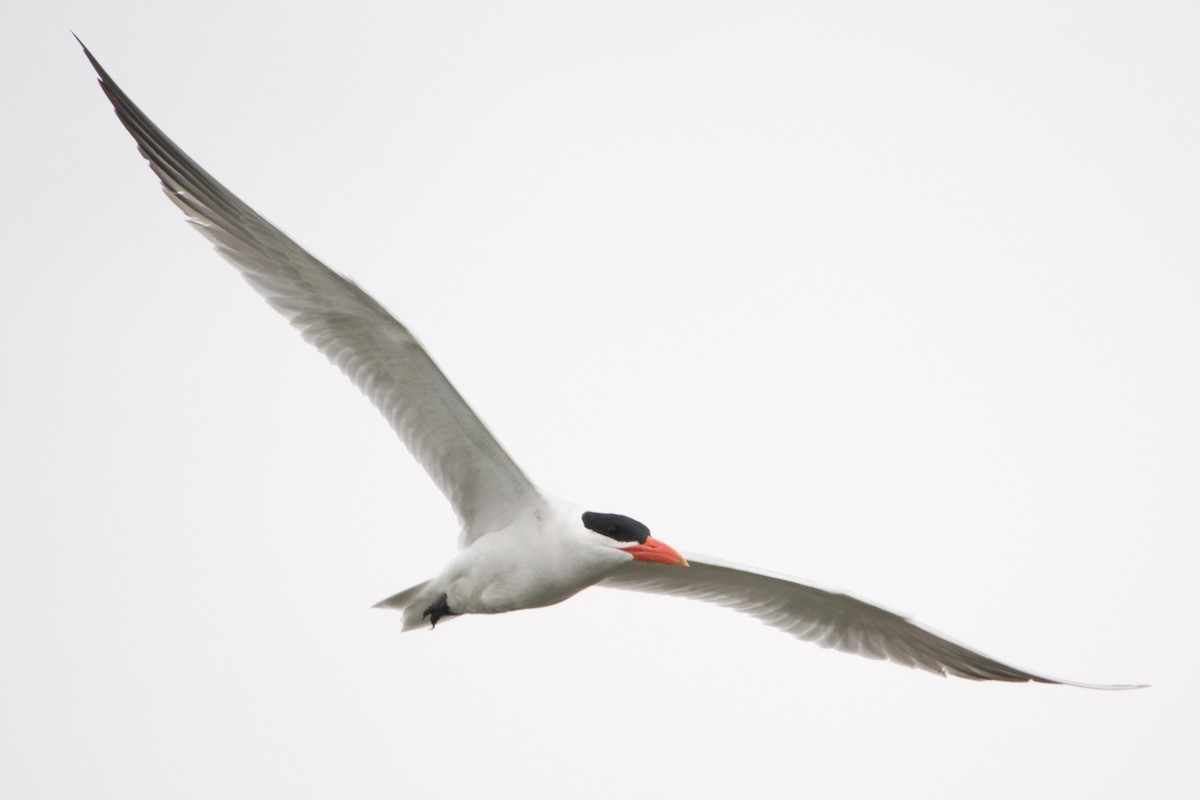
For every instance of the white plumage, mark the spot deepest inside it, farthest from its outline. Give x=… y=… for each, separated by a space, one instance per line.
x=519 y=547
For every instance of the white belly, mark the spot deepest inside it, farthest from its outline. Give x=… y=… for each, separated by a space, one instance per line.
x=511 y=570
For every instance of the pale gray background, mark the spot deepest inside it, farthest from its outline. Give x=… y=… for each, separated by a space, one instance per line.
x=898 y=296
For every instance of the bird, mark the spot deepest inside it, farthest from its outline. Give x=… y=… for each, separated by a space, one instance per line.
x=519 y=547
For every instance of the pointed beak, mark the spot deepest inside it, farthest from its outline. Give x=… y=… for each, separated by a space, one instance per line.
x=656 y=551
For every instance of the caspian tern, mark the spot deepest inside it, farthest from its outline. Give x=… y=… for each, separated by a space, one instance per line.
x=519 y=547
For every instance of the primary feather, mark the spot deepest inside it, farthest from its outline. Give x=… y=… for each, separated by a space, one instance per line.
x=485 y=487
x=826 y=617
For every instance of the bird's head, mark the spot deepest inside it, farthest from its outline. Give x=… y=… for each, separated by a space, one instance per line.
x=632 y=537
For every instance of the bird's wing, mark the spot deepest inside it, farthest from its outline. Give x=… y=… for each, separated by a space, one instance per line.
x=355 y=332
x=825 y=617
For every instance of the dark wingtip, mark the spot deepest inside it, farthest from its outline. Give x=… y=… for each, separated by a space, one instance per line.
x=86 y=52
x=91 y=58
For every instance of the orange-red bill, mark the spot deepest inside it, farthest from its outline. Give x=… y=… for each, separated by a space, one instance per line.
x=656 y=551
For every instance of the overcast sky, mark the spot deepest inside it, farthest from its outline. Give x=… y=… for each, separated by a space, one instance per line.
x=900 y=297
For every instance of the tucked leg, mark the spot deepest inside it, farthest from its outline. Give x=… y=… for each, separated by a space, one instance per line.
x=438 y=610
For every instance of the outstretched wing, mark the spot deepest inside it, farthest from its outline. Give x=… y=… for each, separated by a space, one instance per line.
x=381 y=356
x=825 y=617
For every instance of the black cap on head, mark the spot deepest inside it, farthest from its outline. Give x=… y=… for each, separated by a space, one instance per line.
x=616 y=526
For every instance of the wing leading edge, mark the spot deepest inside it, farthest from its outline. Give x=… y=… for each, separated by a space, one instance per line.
x=825 y=617
x=379 y=354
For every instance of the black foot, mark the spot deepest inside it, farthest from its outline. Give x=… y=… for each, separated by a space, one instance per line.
x=438 y=610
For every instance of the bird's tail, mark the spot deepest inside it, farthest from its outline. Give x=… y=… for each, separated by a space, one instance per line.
x=411 y=602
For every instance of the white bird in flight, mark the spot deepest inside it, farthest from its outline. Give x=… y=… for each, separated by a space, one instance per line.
x=519 y=547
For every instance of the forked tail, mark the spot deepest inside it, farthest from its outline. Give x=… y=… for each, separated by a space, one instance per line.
x=412 y=602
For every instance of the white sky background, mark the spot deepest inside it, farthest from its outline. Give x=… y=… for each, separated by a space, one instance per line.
x=898 y=297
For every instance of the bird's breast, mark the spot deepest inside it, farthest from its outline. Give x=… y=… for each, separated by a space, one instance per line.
x=506 y=572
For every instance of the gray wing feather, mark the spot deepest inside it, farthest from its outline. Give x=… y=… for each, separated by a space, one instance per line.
x=825 y=617
x=380 y=355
